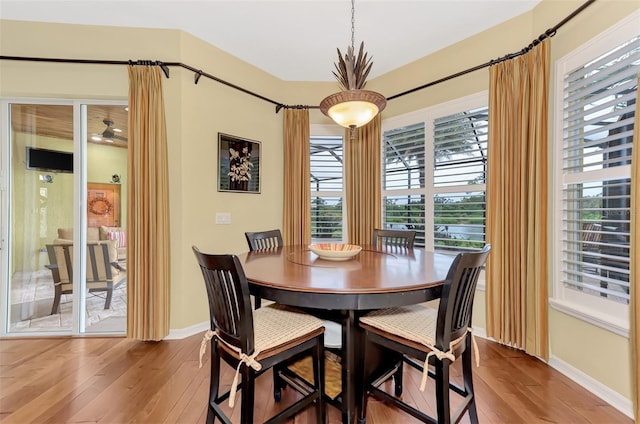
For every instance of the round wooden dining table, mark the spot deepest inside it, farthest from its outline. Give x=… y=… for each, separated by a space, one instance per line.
x=344 y=290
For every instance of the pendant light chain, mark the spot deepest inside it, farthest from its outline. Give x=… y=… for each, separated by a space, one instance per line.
x=353 y=107
x=353 y=24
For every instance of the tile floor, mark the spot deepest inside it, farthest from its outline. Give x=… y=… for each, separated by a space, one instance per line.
x=32 y=299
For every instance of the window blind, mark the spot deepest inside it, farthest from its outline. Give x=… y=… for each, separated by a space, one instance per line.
x=326 y=160
x=404 y=179
x=404 y=157
x=599 y=109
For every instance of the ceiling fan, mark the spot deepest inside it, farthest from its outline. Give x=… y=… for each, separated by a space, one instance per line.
x=110 y=133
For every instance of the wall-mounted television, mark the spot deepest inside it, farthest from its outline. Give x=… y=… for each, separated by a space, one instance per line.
x=49 y=160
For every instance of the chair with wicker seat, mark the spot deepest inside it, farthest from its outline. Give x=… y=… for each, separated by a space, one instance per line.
x=426 y=336
x=254 y=341
x=393 y=238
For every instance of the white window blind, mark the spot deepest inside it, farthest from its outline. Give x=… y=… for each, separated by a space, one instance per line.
x=404 y=179
x=459 y=172
x=326 y=188
x=404 y=157
x=599 y=109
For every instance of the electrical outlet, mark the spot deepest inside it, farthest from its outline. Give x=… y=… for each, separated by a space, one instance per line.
x=223 y=218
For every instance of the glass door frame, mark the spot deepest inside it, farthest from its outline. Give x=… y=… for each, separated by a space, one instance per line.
x=80 y=143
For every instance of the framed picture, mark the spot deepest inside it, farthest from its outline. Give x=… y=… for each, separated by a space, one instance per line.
x=103 y=204
x=238 y=164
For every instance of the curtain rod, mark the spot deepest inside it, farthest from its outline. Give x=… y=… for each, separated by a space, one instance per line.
x=199 y=73
x=163 y=65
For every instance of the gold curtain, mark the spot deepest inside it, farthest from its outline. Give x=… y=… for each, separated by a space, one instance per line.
x=362 y=181
x=634 y=302
x=516 y=288
x=148 y=248
x=297 y=192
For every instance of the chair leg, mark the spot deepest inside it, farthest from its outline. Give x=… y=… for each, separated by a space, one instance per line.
x=248 y=395
x=107 y=302
x=318 y=371
x=397 y=379
x=211 y=418
x=56 y=300
x=214 y=379
x=278 y=384
x=364 y=386
x=442 y=391
x=468 y=382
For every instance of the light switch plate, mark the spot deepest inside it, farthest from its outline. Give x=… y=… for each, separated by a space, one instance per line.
x=223 y=218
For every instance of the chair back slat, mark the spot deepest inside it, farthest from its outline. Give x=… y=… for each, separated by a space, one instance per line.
x=229 y=300
x=393 y=238
x=456 y=302
x=98 y=263
x=60 y=255
x=260 y=240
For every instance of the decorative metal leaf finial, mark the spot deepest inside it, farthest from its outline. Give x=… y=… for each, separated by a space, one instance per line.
x=352 y=72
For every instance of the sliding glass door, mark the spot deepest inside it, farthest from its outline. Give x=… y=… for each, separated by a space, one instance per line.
x=64 y=237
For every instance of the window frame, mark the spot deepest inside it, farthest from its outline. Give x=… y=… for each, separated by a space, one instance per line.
x=602 y=312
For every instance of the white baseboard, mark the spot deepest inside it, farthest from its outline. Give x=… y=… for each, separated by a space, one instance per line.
x=610 y=396
x=182 y=333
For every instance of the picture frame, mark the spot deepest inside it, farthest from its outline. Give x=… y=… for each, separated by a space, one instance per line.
x=103 y=205
x=239 y=161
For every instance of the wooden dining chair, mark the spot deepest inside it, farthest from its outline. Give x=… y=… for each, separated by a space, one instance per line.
x=393 y=238
x=254 y=341
x=429 y=337
x=260 y=240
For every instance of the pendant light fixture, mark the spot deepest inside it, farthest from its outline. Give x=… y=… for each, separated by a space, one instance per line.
x=353 y=107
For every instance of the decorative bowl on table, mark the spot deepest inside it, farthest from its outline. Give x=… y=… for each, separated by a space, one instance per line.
x=335 y=251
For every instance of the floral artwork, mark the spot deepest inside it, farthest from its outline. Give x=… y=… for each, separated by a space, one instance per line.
x=239 y=164
x=240 y=171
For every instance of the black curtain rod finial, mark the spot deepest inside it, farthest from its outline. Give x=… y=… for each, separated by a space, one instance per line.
x=165 y=69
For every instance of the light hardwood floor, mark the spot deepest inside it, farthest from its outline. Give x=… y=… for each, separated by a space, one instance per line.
x=116 y=380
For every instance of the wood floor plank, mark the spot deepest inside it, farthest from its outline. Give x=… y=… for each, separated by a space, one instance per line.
x=59 y=382
x=116 y=380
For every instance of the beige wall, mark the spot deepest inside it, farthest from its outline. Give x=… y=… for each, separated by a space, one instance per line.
x=196 y=113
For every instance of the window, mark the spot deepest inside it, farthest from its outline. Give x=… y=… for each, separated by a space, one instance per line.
x=598 y=86
x=445 y=206
x=459 y=172
x=326 y=188
x=404 y=179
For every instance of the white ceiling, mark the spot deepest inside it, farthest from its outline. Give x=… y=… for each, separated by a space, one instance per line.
x=294 y=40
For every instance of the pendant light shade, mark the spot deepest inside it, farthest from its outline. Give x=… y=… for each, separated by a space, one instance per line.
x=353 y=107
